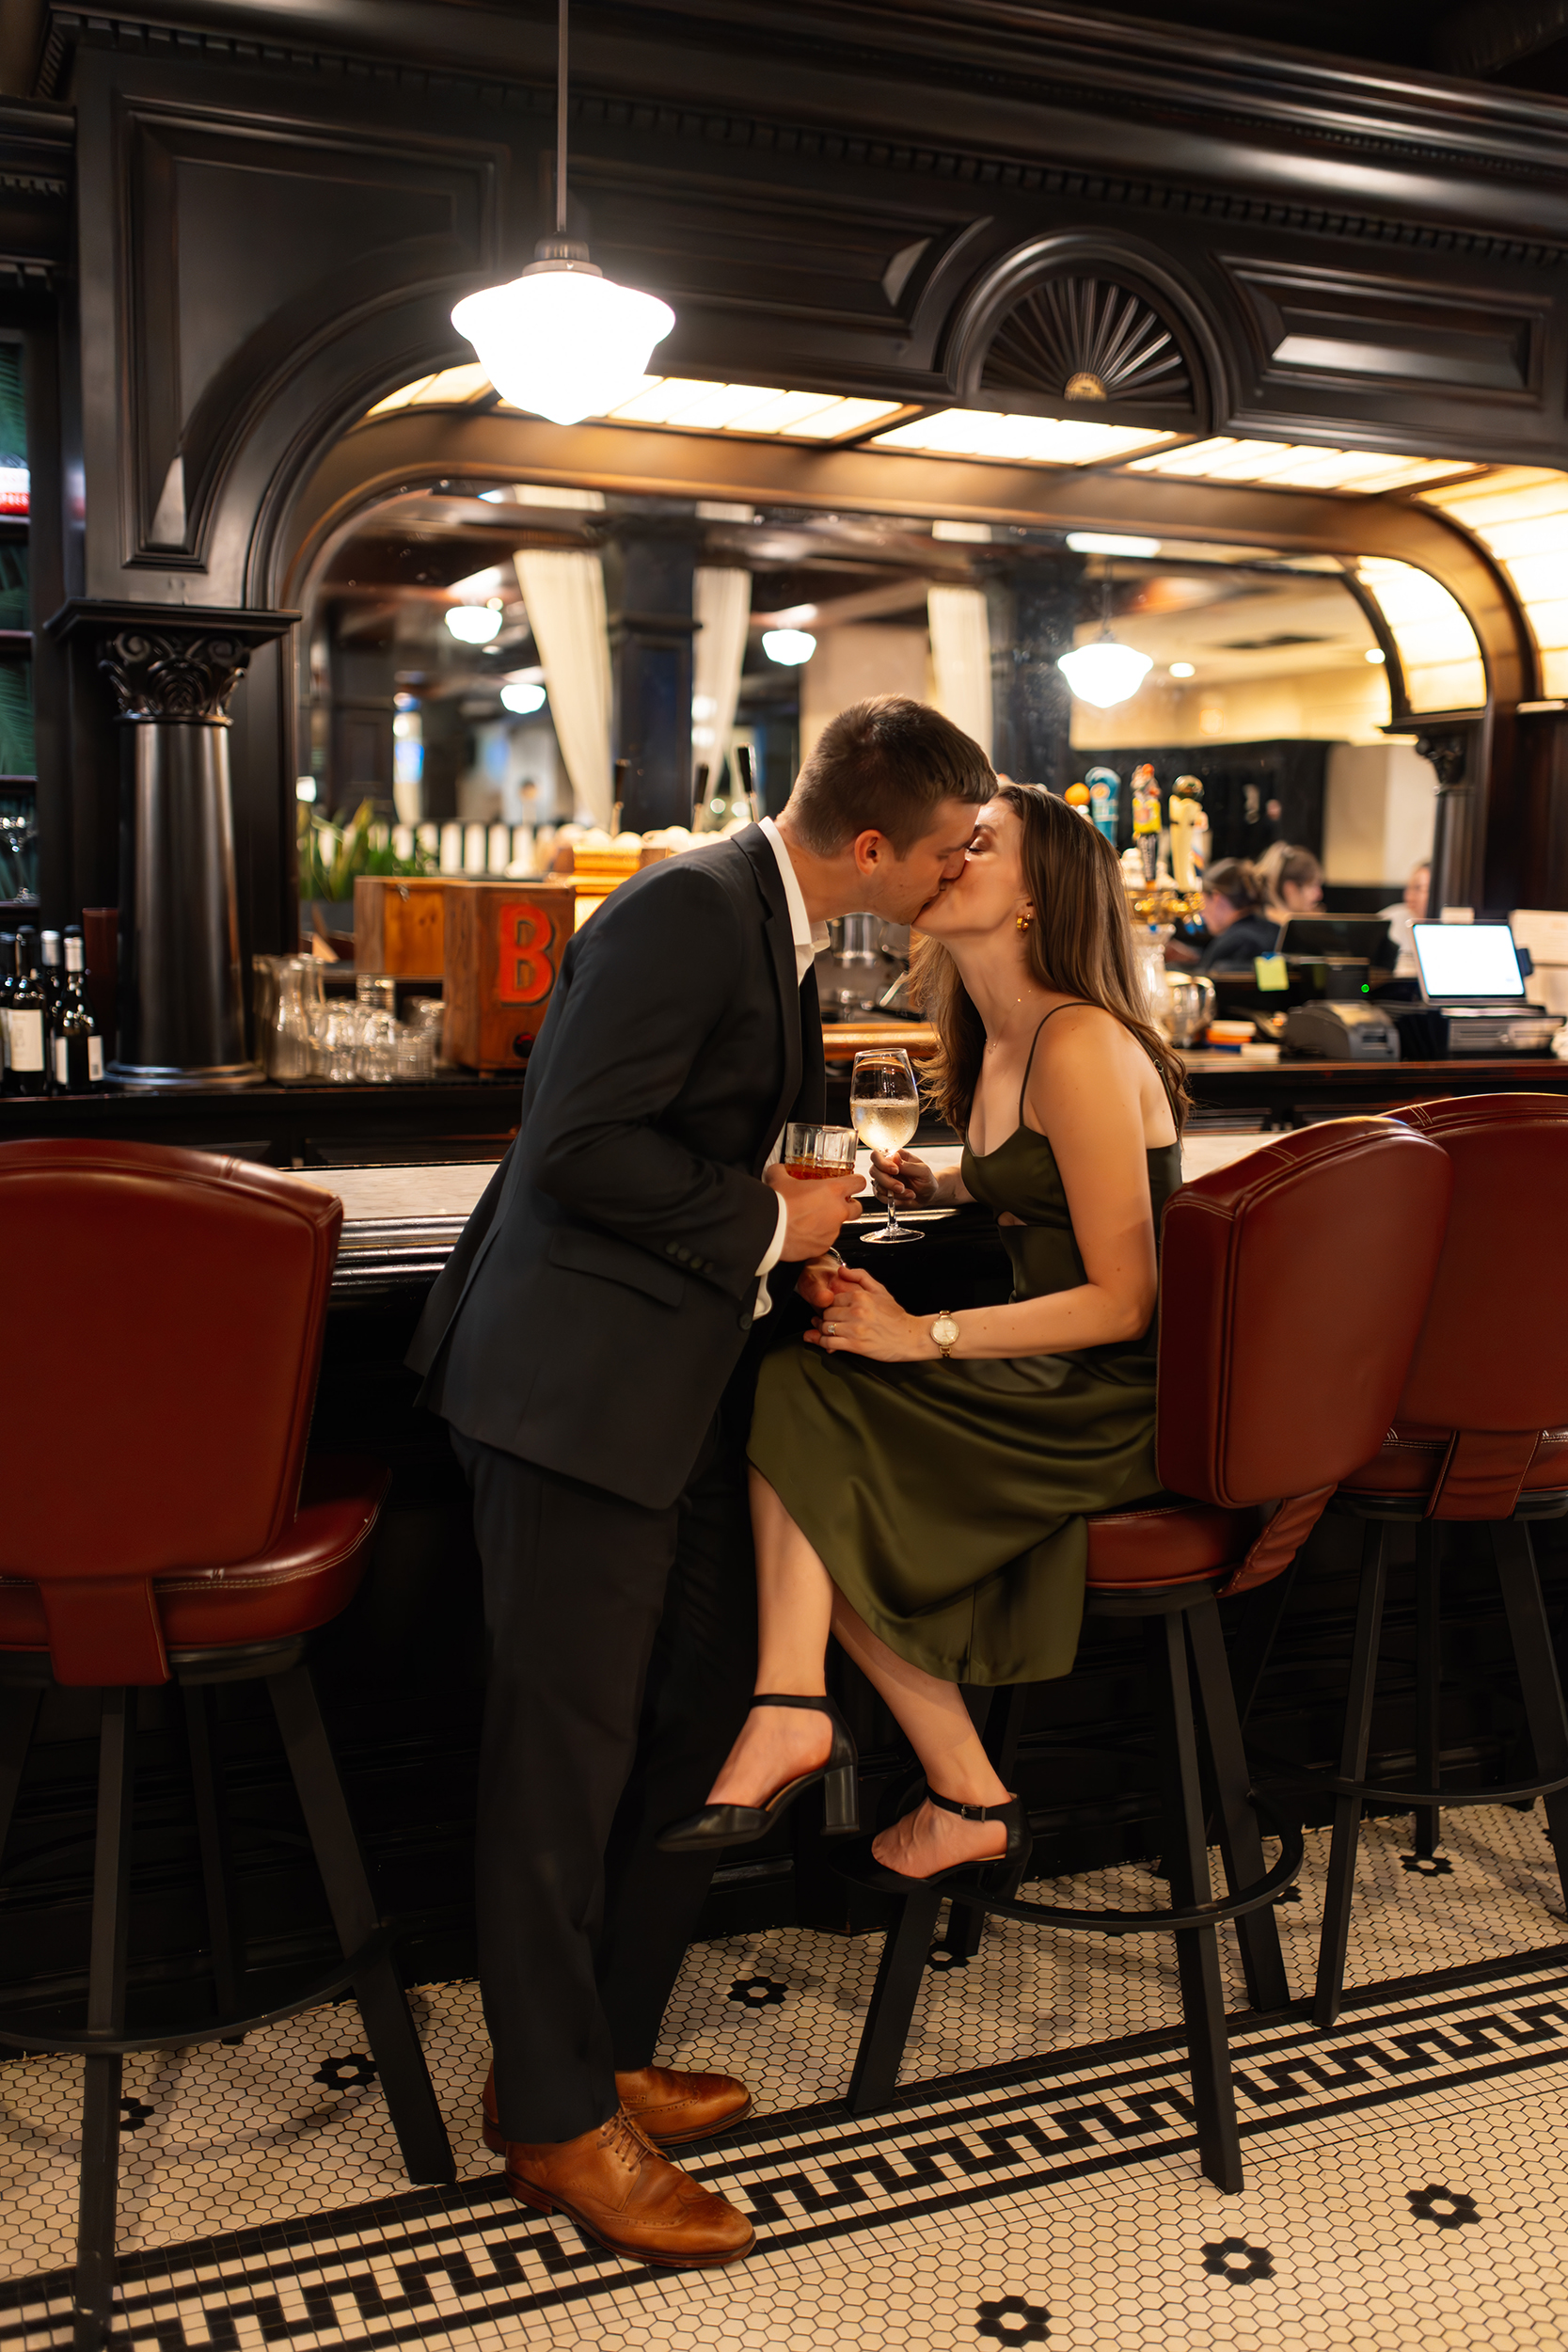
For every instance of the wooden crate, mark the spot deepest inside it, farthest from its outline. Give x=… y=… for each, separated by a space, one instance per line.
x=504 y=942
x=400 y=925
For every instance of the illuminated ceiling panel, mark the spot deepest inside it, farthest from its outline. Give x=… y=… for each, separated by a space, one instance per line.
x=1438 y=648
x=1292 y=466
x=452 y=388
x=1520 y=516
x=1017 y=440
x=684 y=403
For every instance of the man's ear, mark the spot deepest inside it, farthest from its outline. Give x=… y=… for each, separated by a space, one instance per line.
x=870 y=849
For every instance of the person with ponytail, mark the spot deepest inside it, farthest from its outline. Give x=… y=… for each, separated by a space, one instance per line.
x=919 y=1485
x=1233 y=914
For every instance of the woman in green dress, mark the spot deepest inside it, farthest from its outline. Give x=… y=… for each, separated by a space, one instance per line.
x=920 y=1490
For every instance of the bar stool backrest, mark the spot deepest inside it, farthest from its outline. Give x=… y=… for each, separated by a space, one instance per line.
x=166 y=1310
x=1292 y=1286
x=1491 y=1363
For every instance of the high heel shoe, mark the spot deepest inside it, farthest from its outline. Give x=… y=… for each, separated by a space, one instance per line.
x=719 y=1826
x=996 y=1874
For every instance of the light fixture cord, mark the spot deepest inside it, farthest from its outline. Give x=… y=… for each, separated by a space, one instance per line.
x=560 y=123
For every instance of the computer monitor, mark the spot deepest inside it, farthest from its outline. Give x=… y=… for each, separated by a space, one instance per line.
x=1362 y=935
x=1468 y=963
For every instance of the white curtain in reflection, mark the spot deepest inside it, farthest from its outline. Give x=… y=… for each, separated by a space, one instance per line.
x=722 y=607
x=563 y=591
x=960 y=655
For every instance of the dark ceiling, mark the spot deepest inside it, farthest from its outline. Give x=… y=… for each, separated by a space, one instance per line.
x=1524 y=42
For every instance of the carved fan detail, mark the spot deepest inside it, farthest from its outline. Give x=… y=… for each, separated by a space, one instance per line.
x=1087 y=338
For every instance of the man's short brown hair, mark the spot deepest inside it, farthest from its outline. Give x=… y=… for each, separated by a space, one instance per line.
x=886 y=765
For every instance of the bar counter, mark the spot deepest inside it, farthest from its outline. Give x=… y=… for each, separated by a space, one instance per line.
x=401 y=1671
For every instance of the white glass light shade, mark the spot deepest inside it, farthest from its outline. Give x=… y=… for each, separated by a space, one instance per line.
x=562 y=341
x=1104 y=673
x=522 y=698
x=789 y=647
x=473 y=623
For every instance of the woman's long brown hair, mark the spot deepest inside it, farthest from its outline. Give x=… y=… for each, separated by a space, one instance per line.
x=1079 y=943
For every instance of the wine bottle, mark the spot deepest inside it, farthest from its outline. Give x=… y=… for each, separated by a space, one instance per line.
x=50 y=973
x=76 y=1048
x=29 y=1072
x=7 y=979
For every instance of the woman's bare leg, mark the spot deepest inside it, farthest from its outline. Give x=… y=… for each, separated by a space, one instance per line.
x=937 y=1725
x=795 y=1599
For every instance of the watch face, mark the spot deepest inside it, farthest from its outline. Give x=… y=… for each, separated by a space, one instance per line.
x=945 y=1330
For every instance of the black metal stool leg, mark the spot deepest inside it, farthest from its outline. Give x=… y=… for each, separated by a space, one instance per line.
x=1427 y=1820
x=1335 y=1941
x=101 y=2087
x=1536 y=1664
x=1003 y=1724
x=1198 y=1951
x=19 y=1712
x=383 y=2004
x=896 y=1990
x=1241 y=1841
x=217 y=1861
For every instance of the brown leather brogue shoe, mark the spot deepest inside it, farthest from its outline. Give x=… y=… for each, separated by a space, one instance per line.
x=621 y=2192
x=668 y=2108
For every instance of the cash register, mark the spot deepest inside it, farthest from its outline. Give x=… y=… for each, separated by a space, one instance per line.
x=1330 y=960
x=1470 y=976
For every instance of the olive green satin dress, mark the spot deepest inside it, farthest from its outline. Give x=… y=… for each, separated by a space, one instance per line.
x=947 y=1498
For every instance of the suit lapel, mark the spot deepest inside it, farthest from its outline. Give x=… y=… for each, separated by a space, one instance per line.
x=756 y=847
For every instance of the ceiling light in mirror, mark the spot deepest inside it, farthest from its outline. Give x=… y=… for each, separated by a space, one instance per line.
x=522 y=697
x=473 y=623
x=1105 y=673
x=1183 y=669
x=1017 y=440
x=1109 y=543
x=789 y=647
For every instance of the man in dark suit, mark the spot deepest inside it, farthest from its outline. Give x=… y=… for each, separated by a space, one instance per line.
x=584 y=1343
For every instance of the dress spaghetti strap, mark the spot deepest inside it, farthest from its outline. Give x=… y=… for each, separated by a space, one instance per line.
x=1066 y=1007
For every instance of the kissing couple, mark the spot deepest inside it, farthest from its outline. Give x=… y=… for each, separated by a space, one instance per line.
x=679 y=1491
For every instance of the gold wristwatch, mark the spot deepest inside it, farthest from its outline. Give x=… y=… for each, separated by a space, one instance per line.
x=944 y=1331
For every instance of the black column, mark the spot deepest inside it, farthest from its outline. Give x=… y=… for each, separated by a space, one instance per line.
x=182 y=1000
x=1457 y=757
x=651 y=628
x=1033 y=608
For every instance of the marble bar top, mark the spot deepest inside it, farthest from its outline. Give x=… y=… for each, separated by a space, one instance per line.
x=399 y=1223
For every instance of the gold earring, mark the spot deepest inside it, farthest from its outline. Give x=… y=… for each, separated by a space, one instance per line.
x=1024 y=920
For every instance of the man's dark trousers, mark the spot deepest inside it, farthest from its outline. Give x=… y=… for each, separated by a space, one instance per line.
x=622 y=1651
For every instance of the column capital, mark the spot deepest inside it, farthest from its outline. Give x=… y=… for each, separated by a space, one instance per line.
x=1448 y=751
x=175 y=663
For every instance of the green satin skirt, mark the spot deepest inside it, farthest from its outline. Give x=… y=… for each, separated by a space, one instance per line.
x=947 y=1500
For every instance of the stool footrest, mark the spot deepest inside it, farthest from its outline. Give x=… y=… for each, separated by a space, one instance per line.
x=41 y=2042
x=1330 y=1784
x=1286 y=1870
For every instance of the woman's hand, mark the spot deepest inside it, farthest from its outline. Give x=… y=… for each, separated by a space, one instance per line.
x=865 y=1319
x=902 y=1181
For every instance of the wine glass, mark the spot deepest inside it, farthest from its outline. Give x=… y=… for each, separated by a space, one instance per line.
x=884 y=1104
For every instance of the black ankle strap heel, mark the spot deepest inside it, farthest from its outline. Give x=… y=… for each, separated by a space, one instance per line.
x=996 y=1874
x=721 y=1825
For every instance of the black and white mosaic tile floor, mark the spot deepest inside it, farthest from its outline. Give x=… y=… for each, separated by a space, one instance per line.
x=1407 y=2175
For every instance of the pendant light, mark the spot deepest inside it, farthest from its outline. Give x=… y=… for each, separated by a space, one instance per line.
x=1107 y=672
x=563 y=341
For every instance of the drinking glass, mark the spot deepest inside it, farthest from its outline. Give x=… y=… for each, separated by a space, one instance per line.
x=810 y=1151
x=884 y=1103
x=376 y=990
x=335 y=1041
x=376 y=1056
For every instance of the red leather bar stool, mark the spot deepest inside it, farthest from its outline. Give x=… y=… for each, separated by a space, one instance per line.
x=1291 y=1288
x=1479 y=1435
x=162 y=1524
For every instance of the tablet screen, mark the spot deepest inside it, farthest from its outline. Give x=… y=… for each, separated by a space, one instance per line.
x=1464 y=960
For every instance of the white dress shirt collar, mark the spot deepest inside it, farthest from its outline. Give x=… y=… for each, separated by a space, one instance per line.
x=809 y=943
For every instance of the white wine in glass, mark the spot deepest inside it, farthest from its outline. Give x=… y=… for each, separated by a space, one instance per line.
x=884 y=1105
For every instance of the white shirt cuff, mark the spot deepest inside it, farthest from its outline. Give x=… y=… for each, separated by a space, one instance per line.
x=774 y=1251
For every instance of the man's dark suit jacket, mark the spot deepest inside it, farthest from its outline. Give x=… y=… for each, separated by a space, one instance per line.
x=602 y=1290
